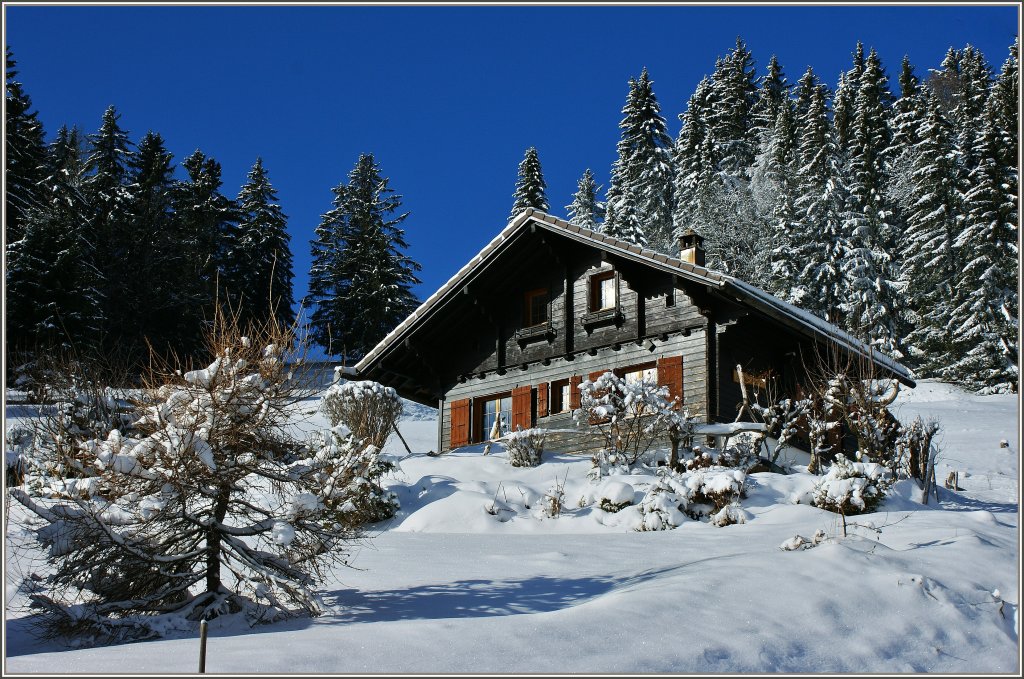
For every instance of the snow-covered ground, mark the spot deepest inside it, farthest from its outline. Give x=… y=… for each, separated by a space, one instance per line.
x=471 y=576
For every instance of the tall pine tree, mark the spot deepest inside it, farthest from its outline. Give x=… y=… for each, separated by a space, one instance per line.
x=105 y=187
x=530 y=185
x=929 y=266
x=821 y=245
x=987 y=310
x=25 y=156
x=203 y=216
x=258 y=260
x=360 y=281
x=875 y=306
x=640 y=197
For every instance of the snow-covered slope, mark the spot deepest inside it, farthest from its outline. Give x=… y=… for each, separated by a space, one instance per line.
x=472 y=576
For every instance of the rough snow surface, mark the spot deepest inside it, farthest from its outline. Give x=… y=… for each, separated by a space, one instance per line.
x=472 y=576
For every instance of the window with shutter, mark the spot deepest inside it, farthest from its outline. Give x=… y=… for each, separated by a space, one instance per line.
x=542 y=399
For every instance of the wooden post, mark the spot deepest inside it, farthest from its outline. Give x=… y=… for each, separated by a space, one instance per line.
x=202 y=646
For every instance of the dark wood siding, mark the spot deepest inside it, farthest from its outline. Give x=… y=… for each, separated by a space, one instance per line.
x=690 y=349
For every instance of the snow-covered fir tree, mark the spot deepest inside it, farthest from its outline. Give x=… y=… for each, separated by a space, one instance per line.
x=530 y=185
x=643 y=173
x=821 y=245
x=772 y=94
x=734 y=95
x=875 y=306
x=908 y=113
x=24 y=156
x=695 y=171
x=714 y=162
x=986 y=314
x=258 y=260
x=52 y=299
x=773 y=187
x=929 y=263
x=962 y=85
x=585 y=209
x=360 y=280
x=844 y=102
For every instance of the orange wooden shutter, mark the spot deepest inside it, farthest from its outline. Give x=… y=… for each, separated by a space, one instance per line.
x=460 y=423
x=670 y=374
x=542 y=399
x=574 y=391
x=521 y=407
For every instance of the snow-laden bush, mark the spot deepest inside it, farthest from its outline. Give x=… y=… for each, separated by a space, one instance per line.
x=629 y=416
x=740 y=455
x=524 y=447
x=729 y=515
x=209 y=506
x=851 y=487
x=701 y=493
x=349 y=472
x=369 y=409
x=615 y=495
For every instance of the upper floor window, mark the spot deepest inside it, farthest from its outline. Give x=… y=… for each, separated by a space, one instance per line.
x=535 y=308
x=603 y=291
x=642 y=373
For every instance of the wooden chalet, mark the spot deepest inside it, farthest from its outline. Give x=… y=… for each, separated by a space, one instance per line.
x=547 y=304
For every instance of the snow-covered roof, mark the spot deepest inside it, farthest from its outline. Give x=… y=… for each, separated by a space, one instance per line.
x=744 y=292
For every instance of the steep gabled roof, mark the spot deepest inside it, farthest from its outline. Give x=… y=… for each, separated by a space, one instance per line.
x=742 y=292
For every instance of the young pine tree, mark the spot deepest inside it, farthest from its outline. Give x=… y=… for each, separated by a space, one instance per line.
x=360 y=281
x=586 y=210
x=258 y=261
x=530 y=185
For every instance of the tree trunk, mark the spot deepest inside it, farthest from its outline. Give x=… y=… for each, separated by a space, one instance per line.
x=220 y=510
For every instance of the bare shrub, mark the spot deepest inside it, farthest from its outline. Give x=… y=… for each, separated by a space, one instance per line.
x=917 y=448
x=369 y=409
x=525 y=447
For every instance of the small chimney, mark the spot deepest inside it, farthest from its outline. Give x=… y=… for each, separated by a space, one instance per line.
x=691 y=247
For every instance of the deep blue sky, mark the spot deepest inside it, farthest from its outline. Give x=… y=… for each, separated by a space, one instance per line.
x=446 y=98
